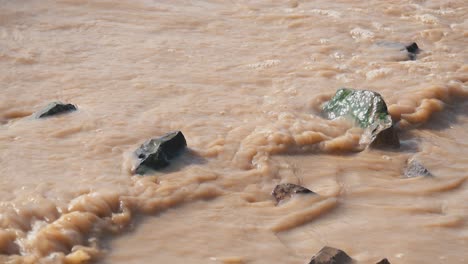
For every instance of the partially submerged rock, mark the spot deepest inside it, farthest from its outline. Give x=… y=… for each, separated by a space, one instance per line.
x=399 y=51
x=156 y=153
x=413 y=48
x=387 y=138
x=383 y=261
x=415 y=169
x=366 y=108
x=287 y=190
x=55 y=108
x=329 y=255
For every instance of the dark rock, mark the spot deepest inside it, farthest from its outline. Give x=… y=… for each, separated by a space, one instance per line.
x=413 y=48
x=287 y=190
x=366 y=108
x=415 y=169
x=157 y=152
x=329 y=255
x=55 y=108
x=398 y=51
x=383 y=261
x=387 y=138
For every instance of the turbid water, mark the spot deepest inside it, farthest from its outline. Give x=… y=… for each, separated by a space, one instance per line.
x=244 y=81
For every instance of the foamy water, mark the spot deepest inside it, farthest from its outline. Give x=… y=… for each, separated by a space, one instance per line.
x=244 y=81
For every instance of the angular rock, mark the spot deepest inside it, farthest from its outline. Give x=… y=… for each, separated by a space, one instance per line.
x=383 y=261
x=413 y=48
x=287 y=190
x=366 y=108
x=415 y=169
x=387 y=138
x=156 y=153
x=329 y=255
x=55 y=108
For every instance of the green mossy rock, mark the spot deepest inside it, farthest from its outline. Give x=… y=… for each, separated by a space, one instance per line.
x=366 y=108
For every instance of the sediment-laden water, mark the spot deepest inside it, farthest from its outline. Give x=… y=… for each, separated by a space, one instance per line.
x=244 y=81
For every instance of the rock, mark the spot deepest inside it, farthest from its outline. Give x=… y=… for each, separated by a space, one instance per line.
x=387 y=138
x=413 y=48
x=366 y=108
x=157 y=152
x=329 y=255
x=55 y=108
x=407 y=52
x=287 y=190
x=383 y=261
x=415 y=169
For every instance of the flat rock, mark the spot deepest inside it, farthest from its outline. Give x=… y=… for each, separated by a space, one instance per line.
x=287 y=190
x=415 y=169
x=383 y=261
x=329 y=255
x=55 y=108
x=156 y=153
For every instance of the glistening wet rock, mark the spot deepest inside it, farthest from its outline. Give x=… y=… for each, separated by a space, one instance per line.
x=329 y=255
x=415 y=169
x=287 y=190
x=383 y=261
x=366 y=108
x=55 y=108
x=156 y=153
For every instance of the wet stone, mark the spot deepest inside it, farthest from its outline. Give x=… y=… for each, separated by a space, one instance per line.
x=156 y=153
x=366 y=108
x=413 y=48
x=383 y=261
x=387 y=138
x=410 y=50
x=415 y=169
x=329 y=255
x=287 y=190
x=55 y=108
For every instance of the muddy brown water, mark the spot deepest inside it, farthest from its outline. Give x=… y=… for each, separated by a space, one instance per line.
x=243 y=80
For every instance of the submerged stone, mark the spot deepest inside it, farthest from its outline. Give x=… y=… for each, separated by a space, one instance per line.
x=415 y=169
x=366 y=108
x=329 y=255
x=408 y=51
x=156 y=153
x=55 y=108
x=287 y=190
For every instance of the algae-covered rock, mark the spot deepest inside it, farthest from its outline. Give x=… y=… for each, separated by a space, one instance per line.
x=366 y=108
